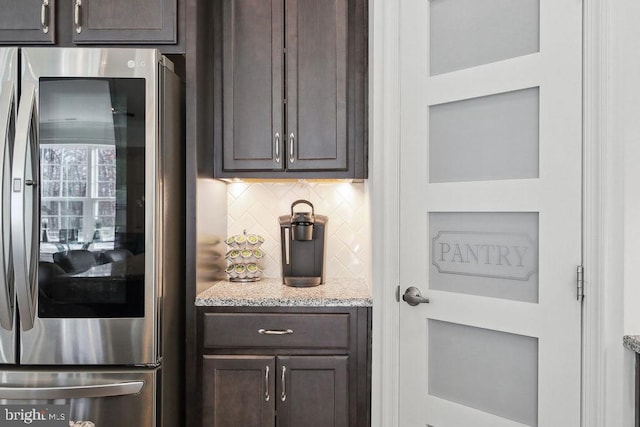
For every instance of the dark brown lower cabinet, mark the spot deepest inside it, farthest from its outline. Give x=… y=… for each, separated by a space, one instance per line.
x=312 y=391
x=255 y=391
x=285 y=367
x=238 y=391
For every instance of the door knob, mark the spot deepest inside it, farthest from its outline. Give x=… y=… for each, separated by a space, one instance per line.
x=412 y=296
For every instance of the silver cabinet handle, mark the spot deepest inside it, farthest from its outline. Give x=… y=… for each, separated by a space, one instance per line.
x=275 y=331
x=412 y=296
x=76 y=16
x=266 y=384
x=6 y=141
x=71 y=392
x=276 y=146
x=25 y=252
x=292 y=141
x=44 y=16
x=283 y=395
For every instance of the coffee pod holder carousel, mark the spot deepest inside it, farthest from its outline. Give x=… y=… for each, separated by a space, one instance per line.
x=244 y=257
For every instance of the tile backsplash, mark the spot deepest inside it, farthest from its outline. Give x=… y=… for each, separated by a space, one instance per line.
x=255 y=207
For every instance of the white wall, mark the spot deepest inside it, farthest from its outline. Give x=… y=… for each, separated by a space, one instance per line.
x=625 y=80
x=625 y=137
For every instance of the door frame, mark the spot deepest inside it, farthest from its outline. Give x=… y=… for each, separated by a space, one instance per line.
x=603 y=219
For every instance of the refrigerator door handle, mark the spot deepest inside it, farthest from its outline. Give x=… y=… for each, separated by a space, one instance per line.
x=24 y=195
x=72 y=392
x=6 y=269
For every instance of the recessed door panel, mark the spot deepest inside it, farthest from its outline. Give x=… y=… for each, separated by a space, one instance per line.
x=316 y=69
x=492 y=371
x=252 y=56
x=467 y=33
x=487 y=138
x=493 y=254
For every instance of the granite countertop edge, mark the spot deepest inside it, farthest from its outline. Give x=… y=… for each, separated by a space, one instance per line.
x=632 y=342
x=283 y=302
x=270 y=292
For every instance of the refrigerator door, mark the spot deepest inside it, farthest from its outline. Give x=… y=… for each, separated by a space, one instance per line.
x=94 y=298
x=103 y=398
x=8 y=96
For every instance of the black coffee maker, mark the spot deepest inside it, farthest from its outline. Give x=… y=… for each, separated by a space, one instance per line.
x=303 y=237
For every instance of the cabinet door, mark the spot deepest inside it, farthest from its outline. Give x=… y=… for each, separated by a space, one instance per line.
x=124 y=21
x=238 y=391
x=316 y=41
x=252 y=56
x=27 y=21
x=312 y=391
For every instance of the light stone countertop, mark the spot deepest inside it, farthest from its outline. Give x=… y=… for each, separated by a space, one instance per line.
x=632 y=342
x=270 y=292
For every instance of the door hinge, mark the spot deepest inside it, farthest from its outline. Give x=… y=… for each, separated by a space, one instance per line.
x=398 y=293
x=580 y=282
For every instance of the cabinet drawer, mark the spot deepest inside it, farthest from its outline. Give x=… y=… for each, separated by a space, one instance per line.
x=236 y=330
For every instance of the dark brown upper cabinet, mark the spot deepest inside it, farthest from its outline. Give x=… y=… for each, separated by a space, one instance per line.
x=27 y=21
x=92 y=22
x=290 y=89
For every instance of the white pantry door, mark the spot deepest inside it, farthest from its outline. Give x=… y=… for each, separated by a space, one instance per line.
x=490 y=212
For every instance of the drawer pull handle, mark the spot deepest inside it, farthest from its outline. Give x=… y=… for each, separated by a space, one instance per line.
x=275 y=332
x=266 y=384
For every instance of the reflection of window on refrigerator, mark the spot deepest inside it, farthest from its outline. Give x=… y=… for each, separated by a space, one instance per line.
x=78 y=193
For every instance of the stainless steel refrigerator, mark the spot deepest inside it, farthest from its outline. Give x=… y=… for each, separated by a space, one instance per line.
x=92 y=243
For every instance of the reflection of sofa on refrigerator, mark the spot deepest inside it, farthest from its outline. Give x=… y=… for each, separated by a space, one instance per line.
x=75 y=261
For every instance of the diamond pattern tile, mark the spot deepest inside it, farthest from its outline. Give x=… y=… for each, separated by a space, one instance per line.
x=255 y=207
